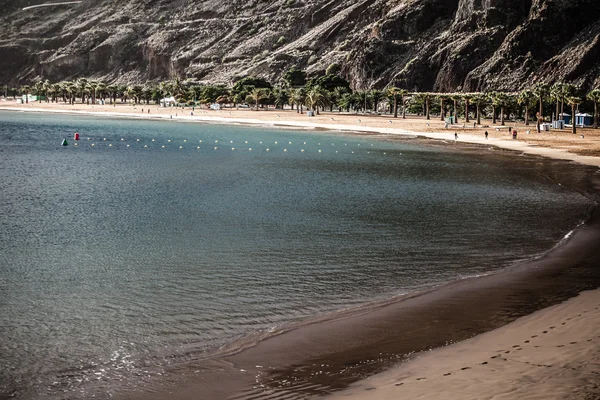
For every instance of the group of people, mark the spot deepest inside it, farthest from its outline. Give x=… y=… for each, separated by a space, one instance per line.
x=513 y=132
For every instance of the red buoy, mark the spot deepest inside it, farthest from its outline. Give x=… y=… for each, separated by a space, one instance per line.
x=76 y=136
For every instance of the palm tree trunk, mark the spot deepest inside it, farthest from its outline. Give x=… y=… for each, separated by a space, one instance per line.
x=526 y=114
x=403 y=108
x=557 y=117
x=478 y=115
x=573 y=120
x=441 y=110
x=502 y=116
x=427 y=108
x=493 y=115
x=595 y=115
x=395 y=106
x=455 y=116
x=466 y=111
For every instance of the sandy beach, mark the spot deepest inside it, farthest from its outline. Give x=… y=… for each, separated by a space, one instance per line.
x=553 y=353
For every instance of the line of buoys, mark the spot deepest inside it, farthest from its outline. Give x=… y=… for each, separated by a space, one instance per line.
x=76 y=136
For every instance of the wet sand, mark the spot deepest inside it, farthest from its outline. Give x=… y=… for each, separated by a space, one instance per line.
x=551 y=354
x=321 y=357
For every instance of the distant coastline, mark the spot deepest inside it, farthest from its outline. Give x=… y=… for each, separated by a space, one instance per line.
x=551 y=145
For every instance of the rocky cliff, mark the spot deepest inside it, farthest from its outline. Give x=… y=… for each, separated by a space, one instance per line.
x=441 y=45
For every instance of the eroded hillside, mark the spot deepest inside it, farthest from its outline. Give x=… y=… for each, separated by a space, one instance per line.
x=424 y=44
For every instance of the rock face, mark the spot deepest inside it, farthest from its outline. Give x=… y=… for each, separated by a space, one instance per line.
x=441 y=45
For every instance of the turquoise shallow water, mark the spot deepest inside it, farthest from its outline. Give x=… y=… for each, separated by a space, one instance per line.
x=121 y=258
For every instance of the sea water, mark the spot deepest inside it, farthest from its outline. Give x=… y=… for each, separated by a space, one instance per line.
x=147 y=241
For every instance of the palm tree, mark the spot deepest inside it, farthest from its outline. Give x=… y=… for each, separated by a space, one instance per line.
x=281 y=97
x=39 y=89
x=394 y=92
x=573 y=101
x=257 y=95
x=492 y=98
x=82 y=84
x=501 y=101
x=541 y=93
x=567 y=91
x=26 y=89
x=556 y=94
x=442 y=98
x=479 y=100
x=403 y=93
x=427 y=97
x=594 y=96
x=298 y=97
x=316 y=98
x=72 y=90
x=177 y=87
x=456 y=98
x=467 y=98
x=112 y=93
x=146 y=94
x=99 y=91
x=337 y=95
x=46 y=88
x=63 y=90
x=55 y=90
x=524 y=99
x=376 y=96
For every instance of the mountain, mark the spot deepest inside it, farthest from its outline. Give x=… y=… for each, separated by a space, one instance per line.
x=441 y=45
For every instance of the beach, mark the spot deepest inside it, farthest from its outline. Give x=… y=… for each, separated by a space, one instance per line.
x=551 y=354
x=522 y=349
x=559 y=144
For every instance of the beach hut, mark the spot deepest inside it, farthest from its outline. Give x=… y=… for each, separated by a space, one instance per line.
x=215 y=106
x=31 y=98
x=168 y=101
x=584 y=119
x=565 y=117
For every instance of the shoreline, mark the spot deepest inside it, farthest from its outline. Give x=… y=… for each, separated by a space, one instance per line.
x=243 y=358
x=220 y=118
x=552 y=354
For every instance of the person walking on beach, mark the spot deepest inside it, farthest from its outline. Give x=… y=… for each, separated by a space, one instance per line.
x=455 y=135
x=486 y=134
x=514 y=134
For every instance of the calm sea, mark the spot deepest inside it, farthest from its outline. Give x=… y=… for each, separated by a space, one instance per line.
x=150 y=241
